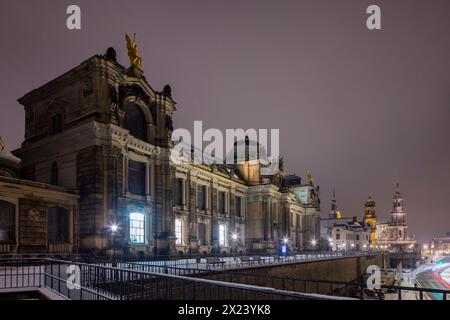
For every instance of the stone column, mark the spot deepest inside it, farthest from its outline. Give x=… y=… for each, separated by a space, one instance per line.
x=147 y=180
x=152 y=179
x=125 y=173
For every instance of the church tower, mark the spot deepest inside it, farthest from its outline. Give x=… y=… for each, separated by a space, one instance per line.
x=397 y=213
x=398 y=222
x=101 y=129
x=370 y=219
x=335 y=213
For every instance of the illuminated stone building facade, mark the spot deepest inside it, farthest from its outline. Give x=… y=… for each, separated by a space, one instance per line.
x=98 y=143
x=340 y=233
x=34 y=217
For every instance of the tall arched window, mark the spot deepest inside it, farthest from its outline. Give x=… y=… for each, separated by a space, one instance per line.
x=178 y=232
x=58 y=224
x=137 y=228
x=222 y=235
x=54 y=174
x=135 y=121
x=7 y=221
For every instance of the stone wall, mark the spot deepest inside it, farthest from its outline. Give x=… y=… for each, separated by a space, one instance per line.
x=344 y=269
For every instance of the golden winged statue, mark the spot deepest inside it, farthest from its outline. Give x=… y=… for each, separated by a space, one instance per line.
x=310 y=177
x=135 y=60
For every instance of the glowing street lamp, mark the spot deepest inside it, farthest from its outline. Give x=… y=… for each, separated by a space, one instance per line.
x=234 y=238
x=114 y=227
x=285 y=240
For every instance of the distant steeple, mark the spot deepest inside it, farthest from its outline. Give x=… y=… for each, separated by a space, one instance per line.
x=333 y=213
x=369 y=207
x=398 y=212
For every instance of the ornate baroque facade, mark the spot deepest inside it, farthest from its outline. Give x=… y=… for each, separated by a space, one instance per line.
x=99 y=137
x=393 y=234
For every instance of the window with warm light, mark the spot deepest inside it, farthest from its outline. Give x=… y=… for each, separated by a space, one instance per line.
x=178 y=232
x=137 y=228
x=222 y=235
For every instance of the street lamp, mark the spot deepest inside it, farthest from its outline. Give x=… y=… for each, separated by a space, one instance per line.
x=234 y=238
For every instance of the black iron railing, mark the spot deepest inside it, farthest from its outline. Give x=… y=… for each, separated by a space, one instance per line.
x=356 y=288
x=220 y=262
x=82 y=281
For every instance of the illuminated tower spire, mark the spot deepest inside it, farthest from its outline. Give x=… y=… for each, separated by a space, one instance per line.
x=398 y=212
x=370 y=219
x=333 y=214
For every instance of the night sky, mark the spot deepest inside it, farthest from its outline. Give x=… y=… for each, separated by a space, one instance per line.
x=363 y=109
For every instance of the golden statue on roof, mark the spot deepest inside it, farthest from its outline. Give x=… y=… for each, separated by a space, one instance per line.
x=135 y=59
x=310 y=177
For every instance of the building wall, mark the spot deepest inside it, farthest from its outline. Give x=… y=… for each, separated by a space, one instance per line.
x=32 y=202
x=92 y=148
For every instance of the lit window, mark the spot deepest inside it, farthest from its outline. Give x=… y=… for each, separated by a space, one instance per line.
x=178 y=232
x=137 y=228
x=222 y=235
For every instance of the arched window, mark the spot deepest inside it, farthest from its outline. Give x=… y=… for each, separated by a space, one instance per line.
x=54 y=174
x=135 y=121
x=222 y=235
x=7 y=221
x=58 y=224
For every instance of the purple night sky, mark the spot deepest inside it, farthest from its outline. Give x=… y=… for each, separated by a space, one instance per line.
x=363 y=109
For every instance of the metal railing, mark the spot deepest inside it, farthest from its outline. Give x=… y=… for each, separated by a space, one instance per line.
x=220 y=262
x=355 y=289
x=96 y=282
x=303 y=285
